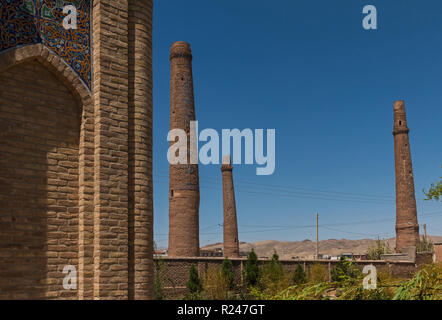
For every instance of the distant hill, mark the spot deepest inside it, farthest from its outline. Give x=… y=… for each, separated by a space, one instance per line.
x=306 y=248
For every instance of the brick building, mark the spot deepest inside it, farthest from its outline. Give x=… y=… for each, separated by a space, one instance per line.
x=76 y=149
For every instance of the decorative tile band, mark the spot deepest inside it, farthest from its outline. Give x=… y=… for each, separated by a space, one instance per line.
x=25 y=22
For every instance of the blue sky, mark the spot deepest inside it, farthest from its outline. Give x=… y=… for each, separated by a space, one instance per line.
x=310 y=71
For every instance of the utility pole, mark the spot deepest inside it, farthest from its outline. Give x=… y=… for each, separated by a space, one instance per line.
x=317 y=238
x=425 y=231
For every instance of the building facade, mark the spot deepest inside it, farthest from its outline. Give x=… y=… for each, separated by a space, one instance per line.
x=76 y=149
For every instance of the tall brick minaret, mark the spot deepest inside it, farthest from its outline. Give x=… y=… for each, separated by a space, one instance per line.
x=230 y=226
x=407 y=227
x=184 y=195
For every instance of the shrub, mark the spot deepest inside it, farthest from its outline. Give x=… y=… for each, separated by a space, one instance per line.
x=374 y=253
x=318 y=273
x=424 y=245
x=227 y=272
x=158 y=287
x=216 y=286
x=299 y=276
x=194 y=284
x=345 y=271
x=252 y=269
x=426 y=285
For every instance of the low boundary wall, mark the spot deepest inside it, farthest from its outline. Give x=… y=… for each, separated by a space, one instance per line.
x=175 y=272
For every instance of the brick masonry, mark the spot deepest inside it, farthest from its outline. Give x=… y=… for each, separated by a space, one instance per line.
x=184 y=196
x=407 y=227
x=76 y=165
x=230 y=224
x=438 y=252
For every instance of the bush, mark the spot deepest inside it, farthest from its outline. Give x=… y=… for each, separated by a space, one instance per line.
x=216 y=286
x=374 y=253
x=273 y=270
x=158 y=287
x=299 y=276
x=318 y=273
x=272 y=276
x=252 y=269
x=194 y=284
x=345 y=271
x=426 y=285
x=227 y=272
x=425 y=245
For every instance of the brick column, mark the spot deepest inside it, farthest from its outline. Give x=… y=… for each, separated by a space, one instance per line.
x=140 y=150
x=407 y=227
x=183 y=178
x=110 y=94
x=230 y=226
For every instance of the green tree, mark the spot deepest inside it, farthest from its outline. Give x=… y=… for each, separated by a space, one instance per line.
x=272 y=277
x=194 y=285
x=252 y=269
x=435 y=191
x=344 y=271
x=273 y=270
x=227 y=272
x=299 y=276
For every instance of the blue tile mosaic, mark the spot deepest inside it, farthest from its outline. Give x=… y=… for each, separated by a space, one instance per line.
x=25 y=22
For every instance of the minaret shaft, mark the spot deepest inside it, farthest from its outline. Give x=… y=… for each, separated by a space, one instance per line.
x=184 y=194
x=230 y=226
x=407 y=227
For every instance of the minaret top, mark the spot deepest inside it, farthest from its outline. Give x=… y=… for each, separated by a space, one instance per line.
x=180 y=49
x=400 y=118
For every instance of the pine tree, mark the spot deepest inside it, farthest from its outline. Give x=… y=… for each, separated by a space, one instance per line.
x=252 y=269
x=194 y=284
x=344 y=270
x=227 y=272
x=299 y=277
x=275 y=270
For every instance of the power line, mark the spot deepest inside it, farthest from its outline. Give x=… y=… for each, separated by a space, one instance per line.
x=291 y=188
x=357 y=233
x=299 y=195
x=288 y=227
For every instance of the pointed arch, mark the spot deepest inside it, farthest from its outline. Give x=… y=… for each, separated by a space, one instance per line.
x=53 y=63
x=82 y=95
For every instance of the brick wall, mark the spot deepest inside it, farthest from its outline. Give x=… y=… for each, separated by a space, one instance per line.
x=175 y=272
x=76 y=165
x=140 y=150
x=38 y=182
x=438 y=252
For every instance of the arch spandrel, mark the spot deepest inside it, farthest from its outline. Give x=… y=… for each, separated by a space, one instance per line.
x=47 y=22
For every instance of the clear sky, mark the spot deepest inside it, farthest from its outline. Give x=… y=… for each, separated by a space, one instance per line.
x=309 y=70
